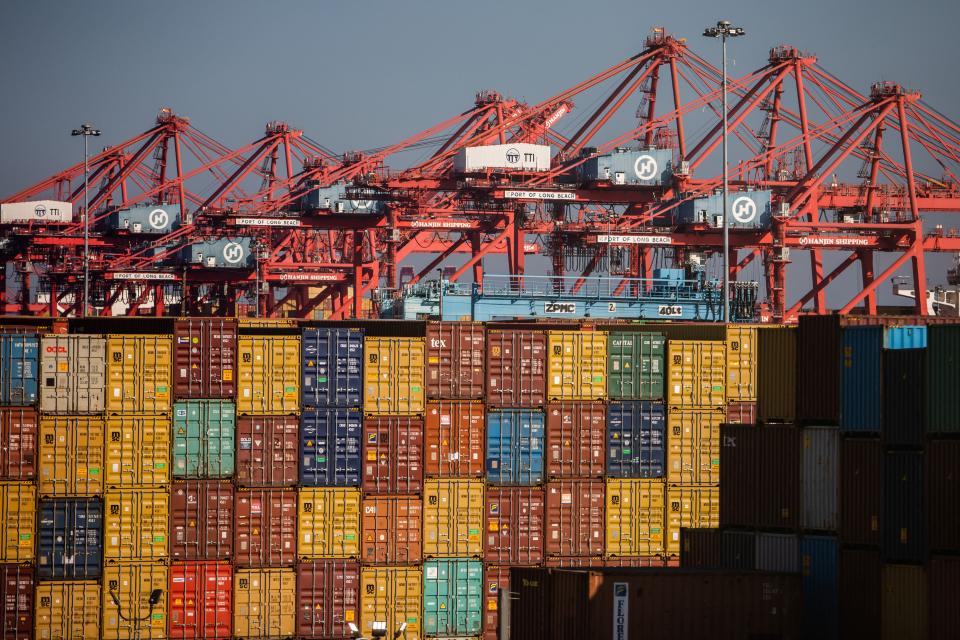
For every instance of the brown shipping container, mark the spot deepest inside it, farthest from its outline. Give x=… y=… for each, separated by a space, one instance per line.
x=392 y=454
x=391 y=530
x=904 y=603
x=495 y=579
x=454 y=439
x=16 y=594
x=455 y=360
x=516 y=368
x=514 y=525
x=267 y=451
x=265 y=529
x=201 y=520
x=944 y=576
x=860 y=593
x=328 y=598
x=575 y=518
x=18 y=443
x=742 y=413
x=760 y=476
x=699 y=548
x=861 y=486
x=776 y=374
x=576 y=439
x=204 y=358
x=818 y=367
x=943 y=491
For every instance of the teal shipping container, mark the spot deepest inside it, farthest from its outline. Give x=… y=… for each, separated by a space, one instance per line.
x=820 y=568
x=635 y=366
x=452 y=597
x=860 y=404
x=204 y=432
x=907 y=337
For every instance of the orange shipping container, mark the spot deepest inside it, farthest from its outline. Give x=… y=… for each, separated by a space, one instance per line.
x=514 y=519
x=391 y=530
x=454 y=439
x=71 y=456
x=576 y=439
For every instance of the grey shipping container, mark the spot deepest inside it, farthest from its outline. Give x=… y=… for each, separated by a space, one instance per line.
x=777 y=552
x=904 y=526
x=73 y=373
x=943 y=379
x=747 y=209
x=151 y=219
x=776 y=374
x=820 y=469
x=232 y=253
x=629 y=167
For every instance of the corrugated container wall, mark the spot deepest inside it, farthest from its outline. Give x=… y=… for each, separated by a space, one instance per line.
x=452 y=597
x=455 y=360
x=859 y=588
x=18 y=443
x=391 y=528
x=575 y=439
x=779 y=552
x=495 y=579
x=137 y=451
x=204 y=433
x=635 y=517
x=577 y=365
x=514 y=525
x=328 y=598
x=760 y=476
x=454 y=435
x=73 y=373
x=200 y=600
x=392 y=454
x=515 y=446
x=904 y=526
x=138 y=374
x=776 y=374
x=19 y=368
x=71 y=456
x=861 y=491
x=264 y=603
x=269 y=375
x=818 y=368
x=636 y=433
x=944 y=581
x=68 y=610
x=516 y=368
x=860 y=408
x=330 y=447
x=201 y=520
x=943 y=494
x=693 y=445
x=689 y=506
x=133 y=583
x=741 y=413
x=453 y=517
x=16 y=596
x=738 y=550
x=696 y=373
x=575 y=520
x=393 y=375
x=905 y=337
x=204 y=358
x=820 y=567
x=135 y=526
x=943 y=379
x=70 y=538
x=18 y=511
x=699 y=548
x=268 y=450
x=904 y=603
x=819 y=480
x=903 y=393
x=741 y=343
x=265 y=530
x=328 y=523
x=332 y=367
x=635 y=366
x=393 y=595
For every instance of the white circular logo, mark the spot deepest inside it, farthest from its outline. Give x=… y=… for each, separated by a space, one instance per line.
x=645 y=167
x=513 y=156
x=40 y=211
x=361 y=204
x=158 y=219
x=232 y=252
x=744 y=209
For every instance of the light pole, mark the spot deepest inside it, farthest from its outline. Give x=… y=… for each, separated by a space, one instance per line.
x=440 y=282
x=723 y=30
x=86 y=130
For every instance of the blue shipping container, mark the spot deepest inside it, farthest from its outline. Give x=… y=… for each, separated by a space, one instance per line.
x=909 y=337
x=636 y=433
x=330 y=447
x=332 y=368
x=515 y=447
x=820 y=568
x=860 y=408
x=19 y=361
x=70 y=537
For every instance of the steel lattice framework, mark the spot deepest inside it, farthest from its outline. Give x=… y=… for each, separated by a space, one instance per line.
x=796 y=127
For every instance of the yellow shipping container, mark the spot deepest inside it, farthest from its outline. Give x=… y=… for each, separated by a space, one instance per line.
x=693 y=445
x=71 y=456
x=269 y=375
x=264 y=603
x=67 y=610
x=393 y=375
x=138 y=374
x=741 y=363
x=328 y=522
x=137 y=451
x=132 y=584
x=577 y=364
x=635 y=517
x=393 y=595
x=452 y=517
x=696 y=373
x=18 y=512
x=687 y=506
x=135 y=524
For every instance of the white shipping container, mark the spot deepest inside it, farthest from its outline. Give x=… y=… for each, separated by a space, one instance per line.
x=36 y=211
x=520 y=156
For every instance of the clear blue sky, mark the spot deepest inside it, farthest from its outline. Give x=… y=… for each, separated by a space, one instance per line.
x=363 y=74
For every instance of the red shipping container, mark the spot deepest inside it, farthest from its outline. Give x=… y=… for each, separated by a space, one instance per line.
x=454 y=439
x=860 y=593
x=861 y=491
x=201 y=520
x=742 y=413
x=699 y=548
x=267 y=451
x=574 y=562
x=265 y=531
x=575 y=518
x=943 y=491
x=328 y=597
x=516 y=368
x=760 y=476
x=455 y=360
x=495 y=579
x=514 y=521
x=199 y=599
x=391 y=529
x=18 y=443
x=818 y=369
x=576 y=439
x=205 y=358
x=944 y=594
x=16 y=592
x=392 y=454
